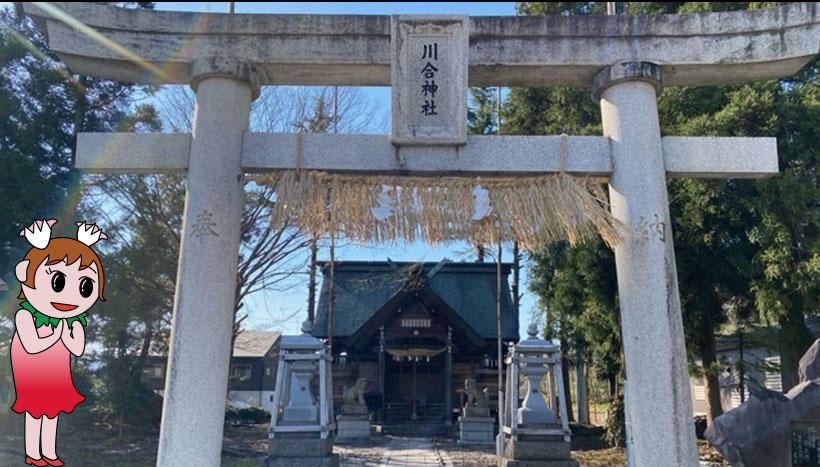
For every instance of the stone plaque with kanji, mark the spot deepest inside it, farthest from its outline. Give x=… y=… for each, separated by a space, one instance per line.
x=805 y=440
x=429 y=79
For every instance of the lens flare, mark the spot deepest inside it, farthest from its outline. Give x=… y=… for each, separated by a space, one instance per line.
x=99 y=38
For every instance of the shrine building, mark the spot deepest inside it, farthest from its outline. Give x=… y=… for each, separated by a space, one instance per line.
x=415 y=332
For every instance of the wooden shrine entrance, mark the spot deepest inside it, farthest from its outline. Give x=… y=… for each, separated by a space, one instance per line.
x=414 y=389
x=416 y=347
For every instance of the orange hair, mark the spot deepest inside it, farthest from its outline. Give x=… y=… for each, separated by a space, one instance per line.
x=59 y=249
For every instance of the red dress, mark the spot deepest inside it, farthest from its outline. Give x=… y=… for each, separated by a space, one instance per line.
x=42 y=381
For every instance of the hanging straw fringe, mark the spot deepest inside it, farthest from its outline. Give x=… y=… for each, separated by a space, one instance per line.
x=534 y=210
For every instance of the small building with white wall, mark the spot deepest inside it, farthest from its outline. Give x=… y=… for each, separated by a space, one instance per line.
x=253 y=369
x=760 y=368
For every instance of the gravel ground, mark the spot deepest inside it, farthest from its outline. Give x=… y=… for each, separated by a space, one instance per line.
x=244 y=445
x=378 y=450
x=361 y=453
x=459 y=455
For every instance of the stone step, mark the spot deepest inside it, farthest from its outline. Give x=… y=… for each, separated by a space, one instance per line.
x=517 y=463
x=418 y=428
x=404 y=413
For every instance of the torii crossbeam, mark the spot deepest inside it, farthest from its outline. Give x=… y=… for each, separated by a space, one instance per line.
x=624 y=59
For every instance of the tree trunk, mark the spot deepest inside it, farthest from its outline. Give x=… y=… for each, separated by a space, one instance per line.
x=146 y=346
x=565 y=369
x=741 y=367
x=708 y=357
x=516 y=298
x=794 y=340
x=581 y=391
x=312 y=281
x=613 y=385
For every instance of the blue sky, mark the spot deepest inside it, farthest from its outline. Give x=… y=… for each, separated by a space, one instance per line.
x=270 y=310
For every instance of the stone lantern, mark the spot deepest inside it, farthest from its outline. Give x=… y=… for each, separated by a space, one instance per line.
x=301 y=428
x=532 y=434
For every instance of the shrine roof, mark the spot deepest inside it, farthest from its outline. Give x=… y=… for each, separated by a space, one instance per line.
x=361 y=289
x=254 y=343
x=248 y=343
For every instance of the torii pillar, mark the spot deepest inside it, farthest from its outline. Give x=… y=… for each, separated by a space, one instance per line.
x=195 y=393
x=652 y=327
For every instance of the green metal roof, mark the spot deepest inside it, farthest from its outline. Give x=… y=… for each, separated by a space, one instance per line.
x=363 y=288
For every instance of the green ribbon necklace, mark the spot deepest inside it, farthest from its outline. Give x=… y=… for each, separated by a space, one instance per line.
x=41 y=320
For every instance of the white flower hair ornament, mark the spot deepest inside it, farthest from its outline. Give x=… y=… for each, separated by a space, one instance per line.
x=89 y=233
x=38 y=233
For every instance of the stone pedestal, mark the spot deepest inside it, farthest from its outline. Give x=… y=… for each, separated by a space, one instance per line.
x=353 y=422
x=537 y=451
x=302 y=449
x=475 y=412
x=475 y=426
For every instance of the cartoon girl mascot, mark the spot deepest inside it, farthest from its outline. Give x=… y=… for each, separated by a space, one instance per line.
x=60 y=279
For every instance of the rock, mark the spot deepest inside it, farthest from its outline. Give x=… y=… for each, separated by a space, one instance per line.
x=758 y=433
x=809 y=366
x=772 y=428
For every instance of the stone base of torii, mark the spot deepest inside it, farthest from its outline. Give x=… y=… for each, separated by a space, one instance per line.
x=624 y=59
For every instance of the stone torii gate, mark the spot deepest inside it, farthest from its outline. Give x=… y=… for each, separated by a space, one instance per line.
x=623 y=59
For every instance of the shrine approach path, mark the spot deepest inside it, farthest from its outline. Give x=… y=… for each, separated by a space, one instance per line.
x=412 y=452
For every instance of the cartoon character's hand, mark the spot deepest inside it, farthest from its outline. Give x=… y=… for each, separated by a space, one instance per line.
x=57 y=333
x=38 y=233
x=89 y=233
x=74 y=338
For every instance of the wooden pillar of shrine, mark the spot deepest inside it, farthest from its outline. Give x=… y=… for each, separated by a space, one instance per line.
x=448 y=378
x=380 y=412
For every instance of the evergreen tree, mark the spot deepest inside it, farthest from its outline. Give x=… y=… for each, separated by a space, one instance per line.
x=740 y=244
x=42 y=108
x=481 y=113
